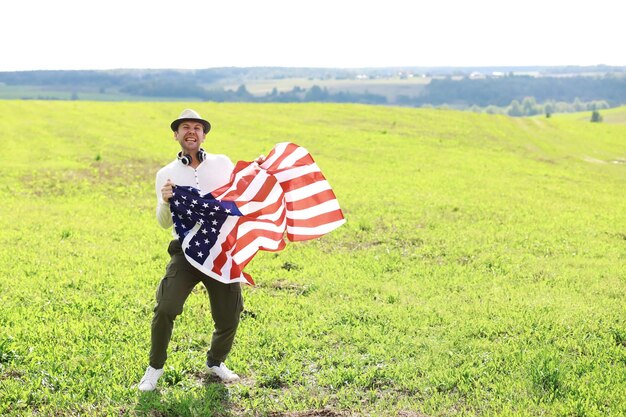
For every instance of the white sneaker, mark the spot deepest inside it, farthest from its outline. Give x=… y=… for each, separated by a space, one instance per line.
x=223 y=373
x=150 y=378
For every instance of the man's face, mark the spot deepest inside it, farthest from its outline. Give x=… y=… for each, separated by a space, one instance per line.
x=190 y=135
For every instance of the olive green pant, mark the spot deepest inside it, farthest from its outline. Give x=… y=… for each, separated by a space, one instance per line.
x=180 y=278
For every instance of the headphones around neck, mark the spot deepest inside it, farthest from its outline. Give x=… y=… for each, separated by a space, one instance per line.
x=186 y=159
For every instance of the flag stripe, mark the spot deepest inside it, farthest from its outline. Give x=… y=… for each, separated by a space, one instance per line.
x=275 y=157
x=305 y=233
x=311 y=201
x=314 y=222
x=299 y=182
x=295 y=172
x=278 y=226
x=274 y=212
x=289 y=160
x=258 y=242
x=307 y=191
x=222 y=257
x=311 y=212
x=258 y=206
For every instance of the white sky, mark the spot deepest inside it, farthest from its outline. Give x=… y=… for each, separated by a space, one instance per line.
x=104 y=34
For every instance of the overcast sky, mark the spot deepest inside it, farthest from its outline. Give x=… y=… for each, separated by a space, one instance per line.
x=104 y=34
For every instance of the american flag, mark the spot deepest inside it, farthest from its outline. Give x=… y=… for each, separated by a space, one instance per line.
x=221 y=231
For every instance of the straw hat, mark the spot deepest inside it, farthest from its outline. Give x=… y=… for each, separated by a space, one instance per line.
x=189 y=114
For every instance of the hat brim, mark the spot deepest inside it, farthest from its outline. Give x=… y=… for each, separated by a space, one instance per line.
x=205 y=123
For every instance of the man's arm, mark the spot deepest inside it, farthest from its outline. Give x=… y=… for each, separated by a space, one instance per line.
x=163 y=193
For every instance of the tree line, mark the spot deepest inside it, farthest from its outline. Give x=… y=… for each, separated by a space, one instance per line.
x=500 y=91
x=517 y=95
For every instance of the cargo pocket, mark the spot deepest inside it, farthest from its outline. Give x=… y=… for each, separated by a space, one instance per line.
x=170 y=273
x=236 y=288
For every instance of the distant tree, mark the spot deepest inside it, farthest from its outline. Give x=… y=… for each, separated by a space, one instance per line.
x=316 y=93
x=515 y=109
x=598 y=105
x=578 y=105
x=243 y=93
x=491 y=109
x=596 y=117
x=529 y=106
x=404 y=100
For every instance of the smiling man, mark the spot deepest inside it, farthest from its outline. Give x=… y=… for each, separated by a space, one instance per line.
x=206 y=172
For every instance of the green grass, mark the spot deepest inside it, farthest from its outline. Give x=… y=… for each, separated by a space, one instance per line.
x=481 y=270
x=615 y=115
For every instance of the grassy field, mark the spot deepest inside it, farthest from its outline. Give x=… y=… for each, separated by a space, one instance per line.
x=481 y=271
x=612 y=116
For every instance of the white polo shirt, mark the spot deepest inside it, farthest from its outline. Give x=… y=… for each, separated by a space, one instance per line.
x=212 y=173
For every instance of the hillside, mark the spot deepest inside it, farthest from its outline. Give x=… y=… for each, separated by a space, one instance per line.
x=611 y=116
x=481 y=270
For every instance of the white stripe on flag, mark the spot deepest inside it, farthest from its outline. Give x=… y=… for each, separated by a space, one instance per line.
x=279 y=149
x=296 y=172
x=275 y=195
x=227 y=227
x=190 y=236
x=249 y=170
x=307 y=213
x=253 y=188
x=253 y=247
x=313 y=231
x=252 y=225
x=273 y=217
x=291 y=159
x=307 y=191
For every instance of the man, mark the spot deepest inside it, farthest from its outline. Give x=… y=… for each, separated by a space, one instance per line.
x=193 y=167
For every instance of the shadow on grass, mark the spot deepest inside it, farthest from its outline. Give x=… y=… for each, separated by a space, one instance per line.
x=209 y=399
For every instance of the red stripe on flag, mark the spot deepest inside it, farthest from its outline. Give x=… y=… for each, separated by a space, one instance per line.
x=302 y=181
x=249 y=237
x=311 y=201
x=265 y=190
x=221 y=259
x=272 y=208
x=289 y=149
x=241 y=187
x=315 y=221
x=248 y=278
x=306 y=160
x=222 y=189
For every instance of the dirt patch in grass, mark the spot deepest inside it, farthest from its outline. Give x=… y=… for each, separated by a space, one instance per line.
x=330 y=413
x=310 y=413
x=410 y=414
x=284 y=285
